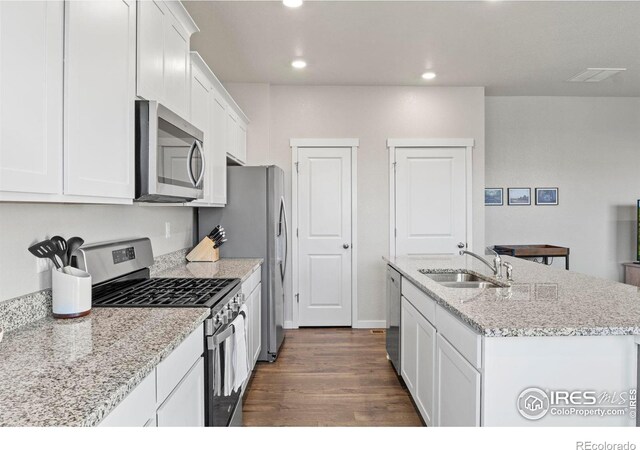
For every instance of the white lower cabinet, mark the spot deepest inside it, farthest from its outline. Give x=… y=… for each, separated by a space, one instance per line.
x=409 y=345
x=256 y=324
x=443 y=383
x=418 y=347
x=138 y=409
x=426 y=370
x=457 y=388
x=185 y=405
x=171 y=395
x=252 y=290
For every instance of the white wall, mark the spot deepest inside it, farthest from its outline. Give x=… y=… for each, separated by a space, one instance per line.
x=587 y=147
x=372 y=114
x=22 y=225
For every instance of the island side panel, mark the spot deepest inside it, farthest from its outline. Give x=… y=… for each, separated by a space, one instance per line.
x=582 y=364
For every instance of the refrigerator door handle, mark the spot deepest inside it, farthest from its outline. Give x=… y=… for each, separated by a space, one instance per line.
x=283 y=219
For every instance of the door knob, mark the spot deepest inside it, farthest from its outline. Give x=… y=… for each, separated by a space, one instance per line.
x=461 y=245
x=345 y=246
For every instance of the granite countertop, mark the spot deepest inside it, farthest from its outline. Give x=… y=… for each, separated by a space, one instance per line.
x=224 y=268
x=74 y=372
x=542 y=301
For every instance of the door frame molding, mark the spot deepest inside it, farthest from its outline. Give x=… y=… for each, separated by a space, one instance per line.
x=393 y=144
x=295 y=144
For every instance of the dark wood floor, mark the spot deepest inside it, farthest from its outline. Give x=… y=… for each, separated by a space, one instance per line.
x=329 y=377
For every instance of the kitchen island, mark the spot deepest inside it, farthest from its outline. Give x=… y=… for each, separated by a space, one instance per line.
x=550 y=348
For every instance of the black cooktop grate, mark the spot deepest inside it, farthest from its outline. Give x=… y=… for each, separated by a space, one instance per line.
x=169 y=292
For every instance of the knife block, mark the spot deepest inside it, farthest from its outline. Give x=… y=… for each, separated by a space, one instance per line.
x=204 y=252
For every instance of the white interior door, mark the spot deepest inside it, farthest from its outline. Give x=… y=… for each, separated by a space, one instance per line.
x=431 y=200
x=324 y=236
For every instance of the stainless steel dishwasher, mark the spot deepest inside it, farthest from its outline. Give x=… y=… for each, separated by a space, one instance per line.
x=393 y=317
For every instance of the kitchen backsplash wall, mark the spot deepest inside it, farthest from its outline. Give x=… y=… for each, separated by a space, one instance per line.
x=373 y=114
x=589 y=148
x=24 y=224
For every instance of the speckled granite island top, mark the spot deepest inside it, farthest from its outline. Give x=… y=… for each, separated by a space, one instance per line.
x=74 y=372
x=542 y=301
x=225 y=268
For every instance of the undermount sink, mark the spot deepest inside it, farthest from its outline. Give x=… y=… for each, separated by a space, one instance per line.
x=453 y=277
x=461 y=280
x=470 y=284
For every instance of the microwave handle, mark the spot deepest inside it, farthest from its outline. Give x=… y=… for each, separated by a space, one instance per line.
x=201 y=177
x=189 y=159
x=196 y=144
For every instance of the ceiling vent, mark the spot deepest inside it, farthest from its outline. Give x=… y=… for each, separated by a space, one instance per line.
x=595 y=75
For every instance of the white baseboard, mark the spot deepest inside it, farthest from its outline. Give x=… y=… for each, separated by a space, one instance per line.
x=288 y=324
x=370 y=324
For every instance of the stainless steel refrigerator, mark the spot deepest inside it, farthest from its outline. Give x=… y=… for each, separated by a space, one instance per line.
x=256 y=225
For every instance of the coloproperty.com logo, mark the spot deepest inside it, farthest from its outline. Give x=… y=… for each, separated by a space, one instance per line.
x=535 y=403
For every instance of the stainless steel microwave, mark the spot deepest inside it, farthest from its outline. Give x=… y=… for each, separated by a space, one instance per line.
x=170 y=163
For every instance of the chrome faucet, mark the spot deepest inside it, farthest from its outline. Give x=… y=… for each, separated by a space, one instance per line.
x=497 y=261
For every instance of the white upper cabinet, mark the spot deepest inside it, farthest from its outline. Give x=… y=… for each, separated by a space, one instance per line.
x=69 y=76
x=224 y=125
x=31 y=56
x=176 y=68
x=219 y=138
x=200 y=115
x=164 y=31
x=152 y=16
x=237 y=135
x=99 y=98
x=242 y=141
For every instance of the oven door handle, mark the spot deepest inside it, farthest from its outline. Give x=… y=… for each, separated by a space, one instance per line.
x=214 y=345
x=221 y=336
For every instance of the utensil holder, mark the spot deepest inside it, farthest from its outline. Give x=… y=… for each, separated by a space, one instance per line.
x=204 y=252
x=71 y=292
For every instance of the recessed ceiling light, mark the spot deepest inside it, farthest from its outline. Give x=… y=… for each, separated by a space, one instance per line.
x=428 y=75
x=298 y=64
x=292 y=3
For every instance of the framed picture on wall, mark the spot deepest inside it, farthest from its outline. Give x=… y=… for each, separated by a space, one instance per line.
x=493 y=197
x=519 y=196
x=546 y=196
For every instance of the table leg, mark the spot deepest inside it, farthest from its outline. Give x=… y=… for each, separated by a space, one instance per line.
x=566 y=262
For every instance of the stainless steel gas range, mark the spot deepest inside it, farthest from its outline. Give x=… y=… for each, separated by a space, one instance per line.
x=121 y=279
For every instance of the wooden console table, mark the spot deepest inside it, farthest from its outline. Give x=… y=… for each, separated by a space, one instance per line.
x=543 y=251
x=632 y=274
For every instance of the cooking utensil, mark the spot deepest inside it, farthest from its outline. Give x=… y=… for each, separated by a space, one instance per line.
x=45 y=249
x=219 y=243
x=74 y=244
x=61 y=249
x=215 y=230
